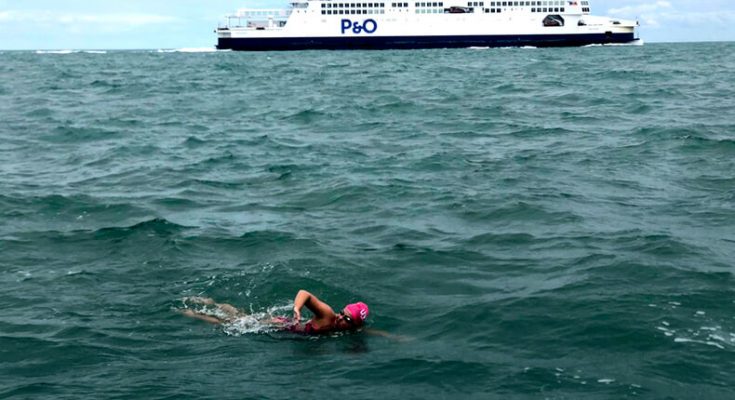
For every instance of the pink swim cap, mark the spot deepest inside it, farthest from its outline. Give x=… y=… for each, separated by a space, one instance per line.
x=359 y=312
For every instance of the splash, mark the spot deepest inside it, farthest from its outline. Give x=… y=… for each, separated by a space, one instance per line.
x=248 y=323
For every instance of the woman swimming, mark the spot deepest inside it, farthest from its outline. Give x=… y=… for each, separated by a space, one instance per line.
x=325 y=320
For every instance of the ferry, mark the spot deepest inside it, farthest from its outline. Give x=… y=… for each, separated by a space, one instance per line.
x=357 y=24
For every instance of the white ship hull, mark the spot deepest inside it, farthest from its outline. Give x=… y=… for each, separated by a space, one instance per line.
x=366 y=25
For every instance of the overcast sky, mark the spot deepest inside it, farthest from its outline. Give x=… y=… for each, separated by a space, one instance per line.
x=159 y=24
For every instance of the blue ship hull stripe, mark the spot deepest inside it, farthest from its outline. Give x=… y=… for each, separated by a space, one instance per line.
x=419 y=42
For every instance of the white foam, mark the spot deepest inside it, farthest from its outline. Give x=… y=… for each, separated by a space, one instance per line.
x=247 y=324
x=95 y=52
x=197 y=50
x=638 y=42
x=191 y=50
x=606 y=381
x=55 y=51
x=666 y=331
x=708 y=343
x=708 y=328
x=717 y=337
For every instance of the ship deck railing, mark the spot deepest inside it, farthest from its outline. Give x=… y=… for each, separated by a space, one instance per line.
x=256 y=17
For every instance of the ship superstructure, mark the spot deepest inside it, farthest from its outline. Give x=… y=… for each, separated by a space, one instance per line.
x=328 y=24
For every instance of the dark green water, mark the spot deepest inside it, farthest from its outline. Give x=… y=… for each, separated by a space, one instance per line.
x=540 y=223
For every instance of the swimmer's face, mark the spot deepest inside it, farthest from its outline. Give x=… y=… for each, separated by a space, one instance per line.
x=345 y=320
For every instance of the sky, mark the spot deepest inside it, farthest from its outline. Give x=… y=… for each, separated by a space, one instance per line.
x=176 y=24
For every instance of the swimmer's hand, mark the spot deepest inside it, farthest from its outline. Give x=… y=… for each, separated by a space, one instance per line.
x=296 y=315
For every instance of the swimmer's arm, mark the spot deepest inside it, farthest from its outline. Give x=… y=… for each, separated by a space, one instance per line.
x=319 y=308
x=203 y=317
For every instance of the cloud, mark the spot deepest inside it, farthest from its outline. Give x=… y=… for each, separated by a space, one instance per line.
x=662 y=14
x=640 y=9
x=108 y=20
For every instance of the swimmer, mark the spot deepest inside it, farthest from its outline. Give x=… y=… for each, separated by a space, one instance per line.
x=325 y=320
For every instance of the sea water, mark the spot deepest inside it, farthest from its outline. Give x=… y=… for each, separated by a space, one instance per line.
x=525 y=223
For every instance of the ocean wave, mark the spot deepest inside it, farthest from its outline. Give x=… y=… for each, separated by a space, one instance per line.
x=57 y=51
x=267 y=237
x=190 y=50
x=158 y=227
